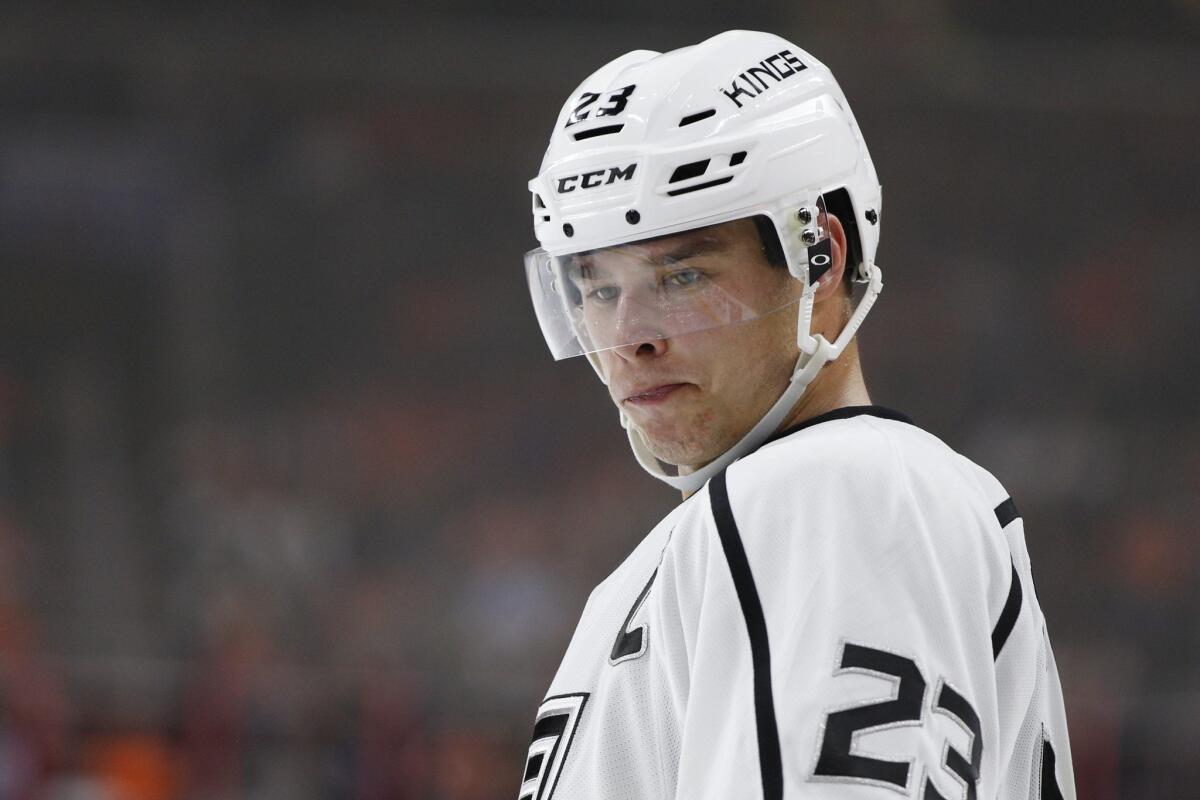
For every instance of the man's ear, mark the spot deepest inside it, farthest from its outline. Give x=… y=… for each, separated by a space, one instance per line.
x=831 y=281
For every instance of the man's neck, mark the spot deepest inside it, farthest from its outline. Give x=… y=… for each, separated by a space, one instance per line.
x=839 y=384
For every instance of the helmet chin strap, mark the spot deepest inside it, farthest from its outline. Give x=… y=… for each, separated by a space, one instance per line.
x=815 y=352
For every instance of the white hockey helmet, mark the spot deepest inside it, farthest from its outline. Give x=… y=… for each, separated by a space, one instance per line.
x=742 y=125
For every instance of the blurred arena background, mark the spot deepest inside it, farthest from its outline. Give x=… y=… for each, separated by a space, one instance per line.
x=293 y=501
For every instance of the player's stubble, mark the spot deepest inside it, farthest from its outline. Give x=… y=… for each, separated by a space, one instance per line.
x=735 y=374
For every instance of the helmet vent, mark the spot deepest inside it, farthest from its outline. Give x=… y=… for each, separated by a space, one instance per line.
x=737 y=158
x=686 y=172
x=699 y=186
x=539 y=208
x=604 y=130
x=699 y=115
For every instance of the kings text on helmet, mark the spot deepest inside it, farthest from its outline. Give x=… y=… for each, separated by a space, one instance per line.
x=753 y=81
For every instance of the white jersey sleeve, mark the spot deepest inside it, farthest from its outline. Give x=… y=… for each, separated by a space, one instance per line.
x=846 y=613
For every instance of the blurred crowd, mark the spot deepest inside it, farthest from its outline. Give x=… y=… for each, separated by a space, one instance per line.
x=295 y=504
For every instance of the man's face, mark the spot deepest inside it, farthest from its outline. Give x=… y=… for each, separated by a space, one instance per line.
x=700 y=334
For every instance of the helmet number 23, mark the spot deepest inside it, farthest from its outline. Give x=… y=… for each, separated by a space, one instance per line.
x=836 y=760
x=614 y=104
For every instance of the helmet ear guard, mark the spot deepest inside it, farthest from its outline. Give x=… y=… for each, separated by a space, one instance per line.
x=743 y=125
x=838 y=203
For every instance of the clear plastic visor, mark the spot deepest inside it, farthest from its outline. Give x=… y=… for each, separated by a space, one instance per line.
x=659 y=288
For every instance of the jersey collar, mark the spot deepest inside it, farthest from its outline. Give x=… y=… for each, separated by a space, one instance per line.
x=846 y=412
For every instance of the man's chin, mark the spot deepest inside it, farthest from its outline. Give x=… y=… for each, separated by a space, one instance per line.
x=686 y=441
x=683 y=455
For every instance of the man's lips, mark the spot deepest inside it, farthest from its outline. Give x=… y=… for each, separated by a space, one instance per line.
x=654 y=394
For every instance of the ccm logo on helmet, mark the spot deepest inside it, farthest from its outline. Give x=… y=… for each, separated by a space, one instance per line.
x=782 y=65
x=590 y=180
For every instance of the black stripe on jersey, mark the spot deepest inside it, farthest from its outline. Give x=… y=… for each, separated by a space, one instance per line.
x=845 y=412
x=1049 y=778
x=1006 y=512
x=1008 y=617
x=769 y=758
x=632 y=643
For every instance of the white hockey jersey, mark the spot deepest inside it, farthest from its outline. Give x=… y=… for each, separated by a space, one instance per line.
x=848 y=612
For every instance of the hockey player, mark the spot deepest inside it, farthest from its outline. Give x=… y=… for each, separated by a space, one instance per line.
x=842 y=606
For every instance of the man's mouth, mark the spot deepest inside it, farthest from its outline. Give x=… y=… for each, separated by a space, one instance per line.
x=654 y=394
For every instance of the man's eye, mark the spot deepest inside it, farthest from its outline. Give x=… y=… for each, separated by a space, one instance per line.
x=604 y=294
x=684 y=277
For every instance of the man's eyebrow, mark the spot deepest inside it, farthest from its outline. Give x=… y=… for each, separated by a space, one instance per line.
x=698 y=246
x=582 y=265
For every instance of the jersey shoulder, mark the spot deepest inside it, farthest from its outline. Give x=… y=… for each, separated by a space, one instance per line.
x=870 y=491
x=864 y=459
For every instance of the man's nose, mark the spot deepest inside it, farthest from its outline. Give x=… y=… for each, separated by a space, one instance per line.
x=639 y=331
